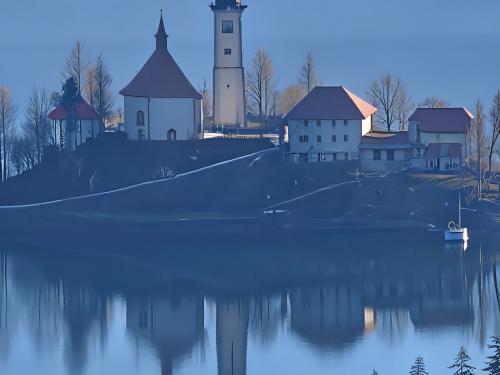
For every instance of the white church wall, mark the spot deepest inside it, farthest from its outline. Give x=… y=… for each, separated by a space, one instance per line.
x=181 y=114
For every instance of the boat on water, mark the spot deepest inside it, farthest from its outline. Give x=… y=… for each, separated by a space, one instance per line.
x=455 y=233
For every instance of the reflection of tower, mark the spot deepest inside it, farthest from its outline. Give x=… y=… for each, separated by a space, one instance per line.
x=229 y=74
x=171 y=325
x=232 y=334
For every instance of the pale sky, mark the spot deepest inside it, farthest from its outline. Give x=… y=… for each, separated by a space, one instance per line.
x=448 y=48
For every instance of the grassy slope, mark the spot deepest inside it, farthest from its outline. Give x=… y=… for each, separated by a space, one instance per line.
x=248 y=185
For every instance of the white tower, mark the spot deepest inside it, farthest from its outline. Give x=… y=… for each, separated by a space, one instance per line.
x=229 y=74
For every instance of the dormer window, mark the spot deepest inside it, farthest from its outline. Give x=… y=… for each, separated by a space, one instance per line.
x=140 y=118
x=227 y=27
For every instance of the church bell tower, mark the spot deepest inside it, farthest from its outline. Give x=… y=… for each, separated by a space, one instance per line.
x=229 y=74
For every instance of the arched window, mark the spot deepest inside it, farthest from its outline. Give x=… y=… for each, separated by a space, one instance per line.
x=140 y=118
x=171 y=135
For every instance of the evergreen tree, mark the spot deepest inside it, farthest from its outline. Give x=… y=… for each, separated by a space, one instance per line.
x=374 y=372
x=493 y=363
x=461 y=363
x=419 y=367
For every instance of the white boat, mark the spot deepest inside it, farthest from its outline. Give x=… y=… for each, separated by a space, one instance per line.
x=455 y=233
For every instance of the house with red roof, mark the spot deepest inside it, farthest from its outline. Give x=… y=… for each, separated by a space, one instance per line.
x=440 y=138
x=160 y=103
x=437 y=140
x=74 y=126
x=328 y=125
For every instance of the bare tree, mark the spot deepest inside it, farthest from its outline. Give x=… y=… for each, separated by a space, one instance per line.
x=88 y=88
x=37 y=127
x=478 y=138
x=75 y=67
x=308 y=76
x=207 y=102
x=433 y=102
x=495 y=129
x=386 y=92
x=102 y=93
x=290 y=97
x=8 y=113
x=261 y=83
x=22 y=154
x=404 y=107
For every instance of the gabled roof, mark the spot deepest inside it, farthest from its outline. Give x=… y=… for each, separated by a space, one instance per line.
x=161 y=77
x=331 y=103
x=385 y=140
x=436 y=150
x=83 y=111
x=443 y=120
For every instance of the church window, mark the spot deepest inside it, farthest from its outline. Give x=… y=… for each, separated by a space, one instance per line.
x=346 y=138
x=318 y=123
x=377 y=155
x=318 y=138
x=333 y=123
x=390 y=154
x=228 y=51
x=346 y=122
x=306 y=123
x=140 y=118
x=334 y=138
x=227 y=27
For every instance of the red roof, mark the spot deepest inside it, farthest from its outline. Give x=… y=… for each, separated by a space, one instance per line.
x=83 y=112
x=161 y=77
x=443 y=120
x=331 y=103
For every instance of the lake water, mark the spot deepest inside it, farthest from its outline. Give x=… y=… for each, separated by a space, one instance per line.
x=329 y=304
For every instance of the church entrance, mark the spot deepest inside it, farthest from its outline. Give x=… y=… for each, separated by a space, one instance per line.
x=171 y=135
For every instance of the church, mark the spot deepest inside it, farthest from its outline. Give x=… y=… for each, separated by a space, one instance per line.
x=160 y=104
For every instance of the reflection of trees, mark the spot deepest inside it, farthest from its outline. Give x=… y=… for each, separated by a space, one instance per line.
x=266 y=315
x=393 y=324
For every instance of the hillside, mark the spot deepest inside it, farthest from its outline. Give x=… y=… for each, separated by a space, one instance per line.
x=237 y=192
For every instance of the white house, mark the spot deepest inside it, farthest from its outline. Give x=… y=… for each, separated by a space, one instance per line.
x=160 y=103
x=229 y=75
x=327 y=125
x=385 y=151
x=439 y=137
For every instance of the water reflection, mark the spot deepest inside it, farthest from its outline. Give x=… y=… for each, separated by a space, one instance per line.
x=65 y=306
x=171 y=325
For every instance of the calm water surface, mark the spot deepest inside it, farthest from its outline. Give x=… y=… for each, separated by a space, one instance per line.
x=341 y=304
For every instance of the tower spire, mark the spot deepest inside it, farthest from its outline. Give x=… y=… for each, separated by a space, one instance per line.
x=161 y=35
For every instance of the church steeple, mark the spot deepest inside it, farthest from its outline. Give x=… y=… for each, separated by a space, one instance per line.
x=161 y=35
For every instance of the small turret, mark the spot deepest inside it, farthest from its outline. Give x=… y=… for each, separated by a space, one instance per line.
x=161 y=35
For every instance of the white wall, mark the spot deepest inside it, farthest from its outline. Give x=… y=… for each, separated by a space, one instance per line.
x=353 y=130
x=181 y=114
